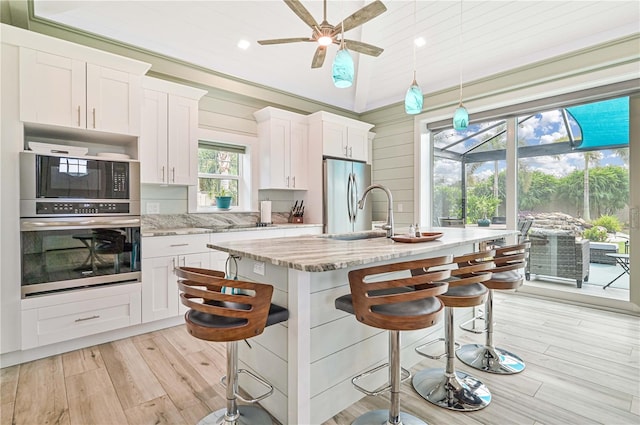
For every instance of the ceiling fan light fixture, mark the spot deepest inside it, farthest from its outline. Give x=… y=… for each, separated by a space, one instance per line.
x=325 y=40
x=413 y=99
x=343 y=70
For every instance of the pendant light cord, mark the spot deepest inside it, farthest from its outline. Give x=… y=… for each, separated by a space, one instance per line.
x=415 y=2
x=460 y=53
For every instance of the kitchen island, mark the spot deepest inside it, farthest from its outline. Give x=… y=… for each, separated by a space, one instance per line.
x=311 y=359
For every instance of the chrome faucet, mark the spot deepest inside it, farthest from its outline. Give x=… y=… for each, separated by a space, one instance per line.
x=389 y=226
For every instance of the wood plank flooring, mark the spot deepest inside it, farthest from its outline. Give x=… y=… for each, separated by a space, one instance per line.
x=583 y=367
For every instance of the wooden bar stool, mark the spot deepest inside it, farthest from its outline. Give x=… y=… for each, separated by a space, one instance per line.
x=509 y=262
x=223 y=317
x=447 y=387
x=395 y=304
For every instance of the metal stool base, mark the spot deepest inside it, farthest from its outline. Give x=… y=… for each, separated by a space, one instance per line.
x=461 y=392
x=249 y=415
x=490 y=359
x=381 y=417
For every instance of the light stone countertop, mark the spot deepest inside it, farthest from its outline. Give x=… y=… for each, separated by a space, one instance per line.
x=219 y=229
x=321 y=253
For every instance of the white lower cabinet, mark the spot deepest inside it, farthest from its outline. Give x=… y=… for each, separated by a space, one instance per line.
x=62 y=317
x=160 y=256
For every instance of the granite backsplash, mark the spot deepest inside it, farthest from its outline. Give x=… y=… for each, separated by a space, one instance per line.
x=220 y=220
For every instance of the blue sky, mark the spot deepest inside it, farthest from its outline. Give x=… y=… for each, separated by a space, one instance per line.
x=543 y=128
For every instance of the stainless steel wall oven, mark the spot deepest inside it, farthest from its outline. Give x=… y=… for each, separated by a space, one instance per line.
x=78 y=252
x=80 y=224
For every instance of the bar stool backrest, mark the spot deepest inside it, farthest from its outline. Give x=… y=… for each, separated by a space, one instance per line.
x=405 y=303
x=511 y=257
x=230 y=317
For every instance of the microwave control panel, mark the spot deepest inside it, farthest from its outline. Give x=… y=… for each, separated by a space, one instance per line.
x=81 y=208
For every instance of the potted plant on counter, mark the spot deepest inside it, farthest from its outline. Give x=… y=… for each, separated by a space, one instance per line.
x=223 y=198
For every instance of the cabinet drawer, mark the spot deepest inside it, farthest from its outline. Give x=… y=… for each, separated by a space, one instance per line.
x=62 y=322
x=163 y=246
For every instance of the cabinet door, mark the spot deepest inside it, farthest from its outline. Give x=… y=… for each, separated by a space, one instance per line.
x=153 y=138
x=298 y=156
x=278 y=174
x=182 y=141
x=201 y=261
x=334 y=139
x=357 y=144
x=159 y=288
x=112 y=100
x=52 y=89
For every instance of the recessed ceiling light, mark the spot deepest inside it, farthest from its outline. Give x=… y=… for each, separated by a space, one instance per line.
x=420 y=41
x=243 y=44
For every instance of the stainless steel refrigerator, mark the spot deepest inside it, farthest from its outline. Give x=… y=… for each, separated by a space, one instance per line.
x=344 y=183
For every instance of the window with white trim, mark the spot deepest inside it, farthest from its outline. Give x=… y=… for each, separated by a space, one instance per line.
x=220 y=173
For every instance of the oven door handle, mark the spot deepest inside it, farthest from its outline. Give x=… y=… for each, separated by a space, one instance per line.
x=27 y=224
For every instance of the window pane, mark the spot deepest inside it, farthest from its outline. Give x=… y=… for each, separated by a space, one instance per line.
x=219 y=173
x=209 y=188
x=217 y=161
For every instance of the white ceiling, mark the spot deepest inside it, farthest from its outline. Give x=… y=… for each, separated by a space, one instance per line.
x=496 y=36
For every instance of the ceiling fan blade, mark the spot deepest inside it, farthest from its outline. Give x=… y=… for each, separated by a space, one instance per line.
x=360 y=47
x=318 y=58
x=359 y=17
x=302 y=13
x=284 y=40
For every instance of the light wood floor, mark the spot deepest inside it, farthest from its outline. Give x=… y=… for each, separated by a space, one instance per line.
x=582 y=368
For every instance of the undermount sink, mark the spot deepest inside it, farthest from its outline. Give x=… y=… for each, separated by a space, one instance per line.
x=355 y=236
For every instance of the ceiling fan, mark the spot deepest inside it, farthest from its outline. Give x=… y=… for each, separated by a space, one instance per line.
x=325 y=34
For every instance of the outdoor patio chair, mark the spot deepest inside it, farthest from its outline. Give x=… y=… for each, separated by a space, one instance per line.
x=558 y=253
x=450 y=222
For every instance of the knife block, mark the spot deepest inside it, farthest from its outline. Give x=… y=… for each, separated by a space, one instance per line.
x=297 y=220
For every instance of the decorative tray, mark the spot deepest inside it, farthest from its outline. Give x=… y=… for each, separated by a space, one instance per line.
x=426 y=237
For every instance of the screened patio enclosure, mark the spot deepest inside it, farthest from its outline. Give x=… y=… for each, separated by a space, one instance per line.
x=469 y=165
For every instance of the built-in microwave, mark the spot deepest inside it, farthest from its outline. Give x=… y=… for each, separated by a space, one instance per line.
x=62 y=185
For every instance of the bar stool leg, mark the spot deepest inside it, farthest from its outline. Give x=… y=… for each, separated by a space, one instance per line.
x=489 y=358
x=234 y=414
x=448 y=388
x=393 y=416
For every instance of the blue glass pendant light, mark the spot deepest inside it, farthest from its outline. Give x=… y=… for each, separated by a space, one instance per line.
x=414 y=98
x=343 y=68
x=460 y=116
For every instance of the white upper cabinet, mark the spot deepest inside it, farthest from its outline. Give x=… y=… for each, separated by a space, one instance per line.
x=283 y=138
x=70 y=92
x=339 y=136
x=168 y=138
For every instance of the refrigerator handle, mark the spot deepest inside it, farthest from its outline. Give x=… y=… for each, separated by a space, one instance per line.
x=355 y=197
x=349 y=199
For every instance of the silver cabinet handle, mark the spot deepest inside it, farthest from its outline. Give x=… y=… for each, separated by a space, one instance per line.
x=287 y=181
x=173 y=263
x=173 y=174
x=82 y=319
x=294 y=181
x=350 y=152
x=179 y=244
x=78 y=115
x=94 y=117
x=163 y=173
